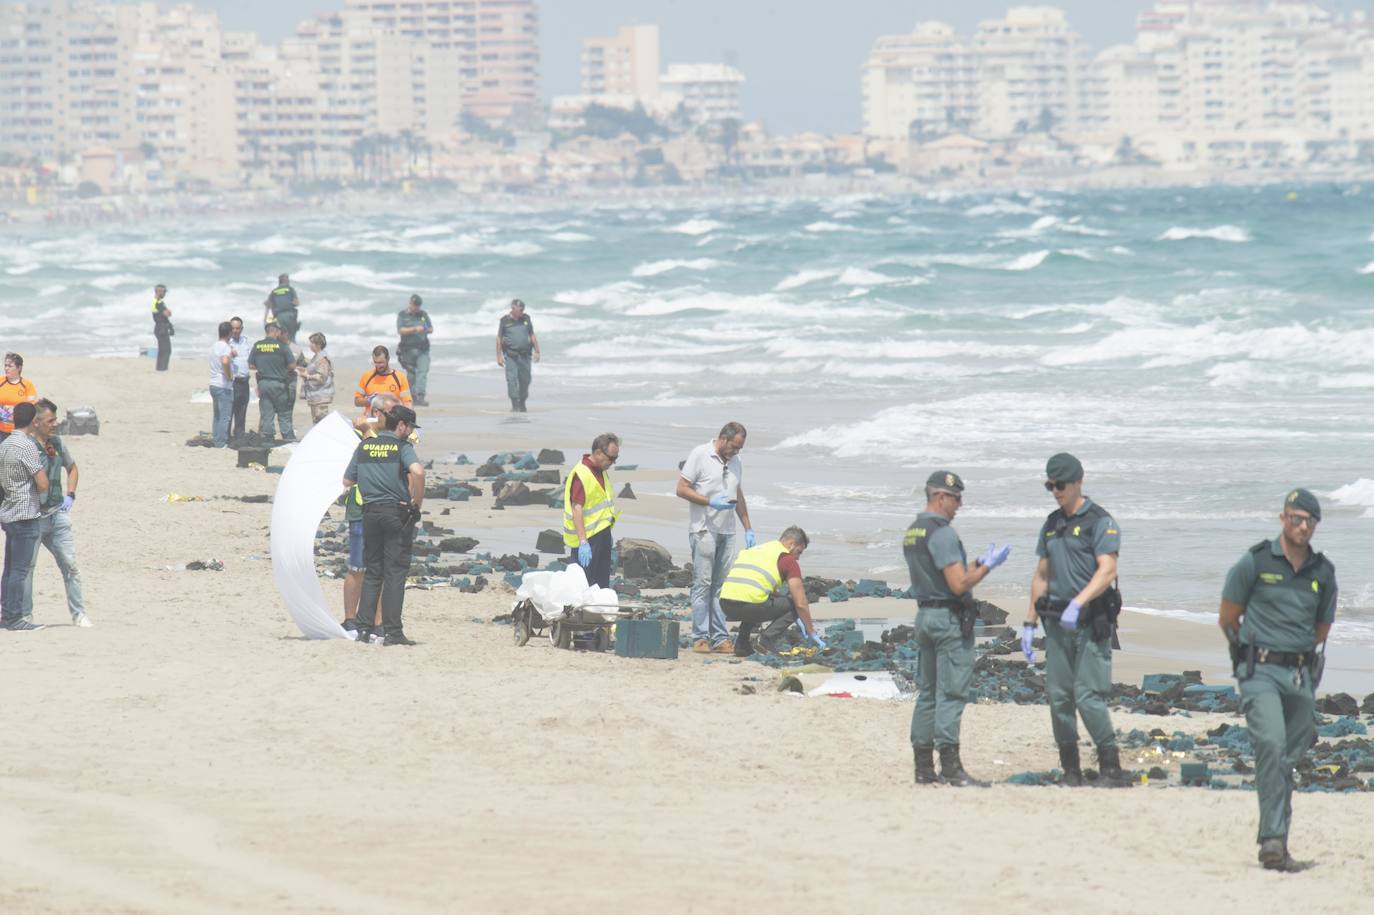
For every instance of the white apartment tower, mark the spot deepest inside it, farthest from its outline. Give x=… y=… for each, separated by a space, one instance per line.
x=924 y=83
x=708 y=92
x=624 y=65
x=1030 y=72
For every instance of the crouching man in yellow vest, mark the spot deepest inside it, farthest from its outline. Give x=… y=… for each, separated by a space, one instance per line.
x=765 y=586
x=589 y=510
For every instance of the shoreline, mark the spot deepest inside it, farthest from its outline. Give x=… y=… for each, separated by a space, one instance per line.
x=245 y=768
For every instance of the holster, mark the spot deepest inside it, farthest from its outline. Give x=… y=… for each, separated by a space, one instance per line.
x=1317 y=667
x=968 y=616
x=1102 y=614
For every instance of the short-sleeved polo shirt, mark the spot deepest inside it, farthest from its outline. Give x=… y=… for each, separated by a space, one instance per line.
x=379 y=466
x=272 y=360
x=712 y=476
x=517 y=334
x=1281 y=607
x=944 y=548
x=414 y=342
x=1073 y=545
x=56 y=458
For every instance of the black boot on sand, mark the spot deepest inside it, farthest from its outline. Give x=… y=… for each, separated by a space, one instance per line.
x=952 y=770
x=925 y=766
x=1068 y=761
x=1109 y=765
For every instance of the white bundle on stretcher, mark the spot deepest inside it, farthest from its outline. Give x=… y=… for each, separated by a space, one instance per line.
x=551 y=592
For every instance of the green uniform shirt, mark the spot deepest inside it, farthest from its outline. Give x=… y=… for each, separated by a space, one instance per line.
x=927 y=563
x=273 y=360
x=517 y=336
x=1281 y=607
x=417 y=342
x=53 y=463
x=1073 y=545
x=353 y=500
x=379 y=466
x=283 y=301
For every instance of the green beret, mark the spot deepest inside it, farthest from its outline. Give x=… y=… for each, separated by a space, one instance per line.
x=945 y=481
x=1304 y=500
x=1063 y=468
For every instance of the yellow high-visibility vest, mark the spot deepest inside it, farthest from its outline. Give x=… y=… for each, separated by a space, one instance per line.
x=754 y=577
x=598 y=512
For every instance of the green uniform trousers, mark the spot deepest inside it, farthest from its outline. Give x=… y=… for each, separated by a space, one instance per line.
x=943 y=678
x=1078 y=678
x=274 y=408
x=1280 y=712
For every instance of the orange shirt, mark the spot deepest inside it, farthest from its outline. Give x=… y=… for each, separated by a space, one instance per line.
x=395 y=383
x=12 y=394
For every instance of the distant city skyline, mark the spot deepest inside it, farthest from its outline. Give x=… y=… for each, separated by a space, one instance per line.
x=802 y=73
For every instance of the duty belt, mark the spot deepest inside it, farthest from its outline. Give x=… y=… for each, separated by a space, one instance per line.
x=1283 y=658
x=944 y=604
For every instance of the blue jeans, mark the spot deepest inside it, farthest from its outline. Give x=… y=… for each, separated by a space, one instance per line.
x=711 y=558
x=223 y=399
x=21 y=543
x=55 y=533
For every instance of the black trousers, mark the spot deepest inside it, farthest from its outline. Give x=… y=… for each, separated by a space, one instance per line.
x=777 y=610
x=387 y=537
x=238 y=424
x=164 y=352
x=599 y=572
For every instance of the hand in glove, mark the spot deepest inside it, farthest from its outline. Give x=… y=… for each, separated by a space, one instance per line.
x=584 y=555
x=993 y=556
x=1028 y=642
x=722 y=504
x=816 y=640
x=749 y=538
x=1069 y=619
x=67 y=502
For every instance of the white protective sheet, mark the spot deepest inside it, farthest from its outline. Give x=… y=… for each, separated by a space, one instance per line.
x=551 y=592
x=309 y=485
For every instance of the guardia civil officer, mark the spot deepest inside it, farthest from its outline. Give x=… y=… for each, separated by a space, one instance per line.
x=1073 y=592
x=1277 y=607
x=275 y=365
x=414 y=327
x=283 y=306
x=391 y=484
x=942 y=582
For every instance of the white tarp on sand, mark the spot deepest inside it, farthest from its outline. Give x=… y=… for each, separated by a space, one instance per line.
x=309 y=485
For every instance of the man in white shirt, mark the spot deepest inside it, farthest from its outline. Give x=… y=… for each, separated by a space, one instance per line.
x=710 y=481
x=241 y=346
x=222 y=384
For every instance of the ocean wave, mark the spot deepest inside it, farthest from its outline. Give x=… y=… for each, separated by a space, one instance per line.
x=1359 y=494
x=1366 y=269
x=654 y=268
x=1227 y=233
x=114 y=282
x=186 y=263
x=277 y=244
x=23 y=269
x=54 y=289
x=1039 y=227
x=858 y=276
x=789 y=347
x=1184 y=345
x=1001 y=207
x=824 y=226
x=804 y=278
x=427 y=231
x=697 y=226
x=599 y=295
x=352 y=274
x=1027 y=261
x=571 y=237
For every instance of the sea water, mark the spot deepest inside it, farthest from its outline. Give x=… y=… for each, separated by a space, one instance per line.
x=1202 y=350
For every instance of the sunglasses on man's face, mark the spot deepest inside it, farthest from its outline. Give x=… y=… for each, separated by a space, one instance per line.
x=1055 y=485
x=957 y=497
x=1301 y=521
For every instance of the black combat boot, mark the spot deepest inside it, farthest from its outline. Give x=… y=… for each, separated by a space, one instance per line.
x=952 y=770
x=1068 y=761
x=1109 y=765
x=925 y=766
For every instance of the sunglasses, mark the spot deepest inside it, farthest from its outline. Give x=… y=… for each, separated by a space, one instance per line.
x=1053 y=485
x=957 y=497
x=1301 y=521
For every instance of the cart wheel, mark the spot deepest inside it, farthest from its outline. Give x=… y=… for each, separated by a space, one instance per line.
x=561 y=635
x=521 y=619
x=602 y=642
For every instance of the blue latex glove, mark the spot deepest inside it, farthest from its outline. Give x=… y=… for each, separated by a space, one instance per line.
x=818 y=641
x=67 y=502
x=1028 y=642
x=749 y=538
x=1069 y=619
x=722 y=504
x=993 y=557
x=584 y=555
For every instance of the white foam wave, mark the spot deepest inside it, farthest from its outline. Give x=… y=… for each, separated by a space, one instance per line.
x=1027 y=261
x=278 y=244
x=1227 y=233
x=114 y=282
x=352 y=274
x=1001 y=207
x=1367 y=268
x=54 y=289
x=654 y=268
x=1183 y=345
x=858 y=276
x=23 y=269
x=696 y=226
x=1359 y=494
x=824 y=226
x=427 y=231
x=1041 y=225
x=600 y=295
x=804 y=278
x=570 y=237
x=187 y=263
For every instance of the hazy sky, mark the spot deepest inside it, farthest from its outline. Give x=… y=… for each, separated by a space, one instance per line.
x=801 y=58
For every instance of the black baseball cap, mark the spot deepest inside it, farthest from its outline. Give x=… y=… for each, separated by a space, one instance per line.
x=404 y=415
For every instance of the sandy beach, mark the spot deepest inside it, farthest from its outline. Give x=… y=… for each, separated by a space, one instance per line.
x=192 y=753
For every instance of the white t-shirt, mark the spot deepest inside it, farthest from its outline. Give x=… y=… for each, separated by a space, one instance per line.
x=220 y=350
x=711 y=476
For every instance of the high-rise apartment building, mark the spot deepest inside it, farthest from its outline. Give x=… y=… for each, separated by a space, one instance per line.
x=624 y=65
x=1030 y=71
x=708 y=92
x=918 y=84
x=496 y=43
